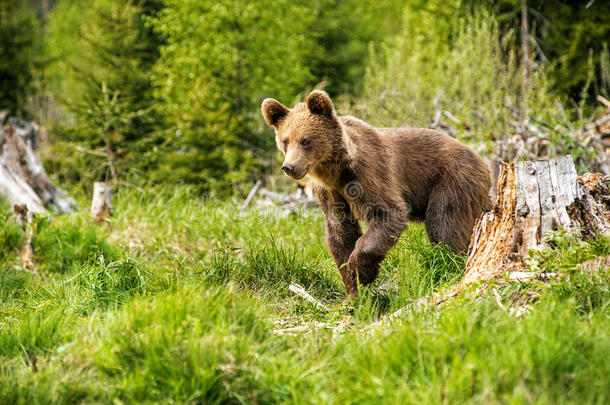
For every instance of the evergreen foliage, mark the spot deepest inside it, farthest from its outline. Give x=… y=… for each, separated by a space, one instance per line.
x=154 y=91
x=571 y=36
x=344 y=29
x=20 y=54
x=220 y=59
x=103 y=52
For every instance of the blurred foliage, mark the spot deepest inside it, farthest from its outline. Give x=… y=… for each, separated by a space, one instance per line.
x=156 y=91
x=218 y=62
x=103 y=53
x=469 y=66
x=571 y=36
x=343 y=30
x=21 y=54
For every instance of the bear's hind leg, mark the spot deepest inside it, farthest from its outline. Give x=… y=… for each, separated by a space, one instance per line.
x=448 y=220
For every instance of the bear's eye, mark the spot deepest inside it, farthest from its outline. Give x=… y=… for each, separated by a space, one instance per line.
x=306 y=142
x=284 y=144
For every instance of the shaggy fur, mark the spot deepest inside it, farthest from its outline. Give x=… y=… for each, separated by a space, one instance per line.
x=383 y=177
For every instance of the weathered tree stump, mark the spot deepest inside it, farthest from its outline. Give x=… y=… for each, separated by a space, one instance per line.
x=534 y=198
x=101 y=203
x=23 y=179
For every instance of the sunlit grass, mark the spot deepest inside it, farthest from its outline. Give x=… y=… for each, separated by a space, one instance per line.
x=178 y=300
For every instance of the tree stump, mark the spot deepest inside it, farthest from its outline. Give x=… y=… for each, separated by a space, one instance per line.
x=534 y=198
x=23 y=179
x=101 y=203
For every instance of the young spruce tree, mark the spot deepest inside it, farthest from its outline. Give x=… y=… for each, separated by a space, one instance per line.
x=104 y=52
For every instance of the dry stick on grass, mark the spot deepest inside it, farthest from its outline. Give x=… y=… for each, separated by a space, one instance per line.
x=251 y=195
x=303 y=328
x=300 y=291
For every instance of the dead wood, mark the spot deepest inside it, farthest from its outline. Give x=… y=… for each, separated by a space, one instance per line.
x=300 y=291
x=534 y=199
x=101 y=203
x=23 y=179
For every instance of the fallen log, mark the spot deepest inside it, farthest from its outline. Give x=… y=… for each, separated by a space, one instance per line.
x=23 y=179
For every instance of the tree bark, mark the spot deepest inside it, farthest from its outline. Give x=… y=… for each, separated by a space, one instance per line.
x=23 y=179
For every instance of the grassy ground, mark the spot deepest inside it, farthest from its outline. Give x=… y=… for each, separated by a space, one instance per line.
x=179 y=301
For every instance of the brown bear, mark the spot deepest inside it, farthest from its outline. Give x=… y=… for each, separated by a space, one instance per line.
x=383 y=177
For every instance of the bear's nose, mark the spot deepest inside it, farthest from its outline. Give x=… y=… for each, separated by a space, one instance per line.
x=288 y=169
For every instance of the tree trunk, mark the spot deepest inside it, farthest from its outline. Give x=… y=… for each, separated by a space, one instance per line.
x=23 y=179
x=534 y=198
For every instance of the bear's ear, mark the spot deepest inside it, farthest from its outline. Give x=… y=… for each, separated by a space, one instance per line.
x=273 y=111
x=319 y=103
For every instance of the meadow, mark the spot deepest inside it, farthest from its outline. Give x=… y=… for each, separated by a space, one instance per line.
x=182 y=300
x=182 y=296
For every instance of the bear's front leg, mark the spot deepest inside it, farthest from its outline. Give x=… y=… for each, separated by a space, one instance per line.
x=341 y=239
x=383 y=230
x=342 y=232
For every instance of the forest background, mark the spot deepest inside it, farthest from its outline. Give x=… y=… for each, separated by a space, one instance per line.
x=147 y=92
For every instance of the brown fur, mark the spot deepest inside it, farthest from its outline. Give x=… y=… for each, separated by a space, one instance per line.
x=381 y=176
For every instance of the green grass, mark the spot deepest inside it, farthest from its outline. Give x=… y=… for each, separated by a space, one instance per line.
x=178 y=300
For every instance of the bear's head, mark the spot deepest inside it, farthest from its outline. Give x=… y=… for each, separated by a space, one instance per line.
x=309 y=135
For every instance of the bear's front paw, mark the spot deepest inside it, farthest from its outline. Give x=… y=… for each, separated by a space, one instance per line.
x=365 y=265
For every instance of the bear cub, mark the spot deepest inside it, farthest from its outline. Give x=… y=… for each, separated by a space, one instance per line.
x=383 y=177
